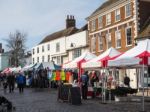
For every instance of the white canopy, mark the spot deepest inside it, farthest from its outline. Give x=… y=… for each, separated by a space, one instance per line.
x=97 y=62
x=76 y=62
x=17 y=69
x=27 y=67
x=138 y=55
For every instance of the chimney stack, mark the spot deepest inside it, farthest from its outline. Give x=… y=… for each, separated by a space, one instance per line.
x=70 y=21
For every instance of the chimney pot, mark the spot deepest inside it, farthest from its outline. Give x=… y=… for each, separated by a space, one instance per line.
x=70 y=21
x=67 y=16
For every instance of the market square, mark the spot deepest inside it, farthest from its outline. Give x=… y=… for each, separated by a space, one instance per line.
x=69 y=56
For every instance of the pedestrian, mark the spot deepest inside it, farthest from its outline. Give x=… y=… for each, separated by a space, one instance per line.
x=84 y=84
x=109 y=81
x=0 y=79
x=127 y=80
x=75 y=83
x=93 y=78
x=5 y=85
x=49 y=76
x=11 y=82
x=21 y=82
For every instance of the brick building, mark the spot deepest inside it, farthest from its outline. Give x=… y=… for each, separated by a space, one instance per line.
x=116 y=23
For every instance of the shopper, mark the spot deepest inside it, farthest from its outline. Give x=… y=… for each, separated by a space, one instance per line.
x=5 y=85
x=84 y=82
x=21 y=82
x=11 y=82
x=127 y=80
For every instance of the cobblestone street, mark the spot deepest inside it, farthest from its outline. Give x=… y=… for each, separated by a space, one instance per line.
x=46 y=101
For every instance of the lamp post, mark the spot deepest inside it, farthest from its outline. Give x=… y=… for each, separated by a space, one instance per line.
x=72 y=45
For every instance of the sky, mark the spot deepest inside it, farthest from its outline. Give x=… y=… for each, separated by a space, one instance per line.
x=39 y=18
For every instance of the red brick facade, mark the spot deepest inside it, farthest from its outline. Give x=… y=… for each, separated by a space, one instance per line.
x=120 y=26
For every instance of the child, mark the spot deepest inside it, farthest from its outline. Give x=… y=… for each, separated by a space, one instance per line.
x=5 y=86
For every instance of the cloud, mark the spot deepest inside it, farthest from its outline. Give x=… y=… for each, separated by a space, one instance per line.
x=39 y=18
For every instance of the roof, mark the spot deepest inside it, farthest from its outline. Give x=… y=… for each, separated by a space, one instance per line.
x=104 y=5
x=59 y=34
x=145 y=30
x=6 y=53
x=85 y=27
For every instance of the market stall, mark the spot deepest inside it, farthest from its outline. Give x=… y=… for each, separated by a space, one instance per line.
x=49 y=65
x=6 y=70
x=76 y=63
x=100 y=63
x=11 y=69
x=28 y=67
x=101 y=60
x=139 y=56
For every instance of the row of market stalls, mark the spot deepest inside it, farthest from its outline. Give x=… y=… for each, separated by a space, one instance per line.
x=137 y=57
x=37 y=66
x=11 y=69
x=89 y=61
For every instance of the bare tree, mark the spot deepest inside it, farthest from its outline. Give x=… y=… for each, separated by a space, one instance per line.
x=16 y=45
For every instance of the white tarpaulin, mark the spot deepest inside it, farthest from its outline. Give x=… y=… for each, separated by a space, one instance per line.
x=96 y=62
x=28 y=67
x=84 y=57
x=133 y=56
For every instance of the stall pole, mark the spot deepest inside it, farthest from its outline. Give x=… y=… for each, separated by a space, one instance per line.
x=102 y=89
x=143 y=98
x=147 y=80
x=110 y=95
x=105 y=87
x=104 y=102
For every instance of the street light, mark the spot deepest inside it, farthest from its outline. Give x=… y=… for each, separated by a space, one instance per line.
x=72 y=45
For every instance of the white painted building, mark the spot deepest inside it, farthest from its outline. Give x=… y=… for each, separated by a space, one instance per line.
x=4 y=60
x=76 y=44
x=27 y=60
x=62 y=46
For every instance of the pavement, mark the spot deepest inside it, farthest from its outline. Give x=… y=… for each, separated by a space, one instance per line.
x=45 y=100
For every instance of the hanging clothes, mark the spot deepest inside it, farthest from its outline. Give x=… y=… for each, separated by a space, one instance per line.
x=71 y=78
x=57 y=75
x=49 y=74
x=67 y=75
x=62 y=74
x=54 y=75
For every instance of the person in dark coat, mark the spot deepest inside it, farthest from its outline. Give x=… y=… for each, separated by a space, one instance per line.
x=21 y=82
x=11 y=82
x=5 y=84
x=127 y=80
x=84 y=83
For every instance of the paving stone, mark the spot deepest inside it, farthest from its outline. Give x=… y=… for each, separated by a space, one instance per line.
x=46 y=101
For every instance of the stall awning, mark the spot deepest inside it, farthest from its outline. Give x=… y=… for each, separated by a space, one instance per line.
x=101 y=60
x=138 y=55
x=76 y=63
